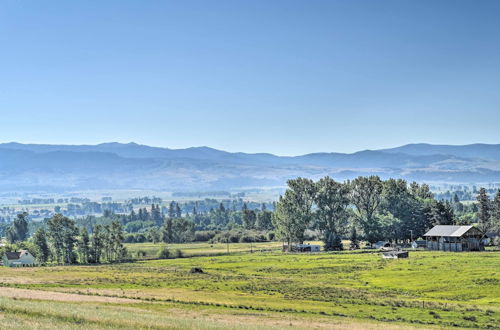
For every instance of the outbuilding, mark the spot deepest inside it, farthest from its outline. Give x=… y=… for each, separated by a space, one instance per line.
x=455 y=238
x=22 y=258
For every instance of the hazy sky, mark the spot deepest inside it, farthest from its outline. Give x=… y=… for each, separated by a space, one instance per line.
x=287 y=77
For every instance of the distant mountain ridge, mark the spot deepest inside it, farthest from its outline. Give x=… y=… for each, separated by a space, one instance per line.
x=42 y=167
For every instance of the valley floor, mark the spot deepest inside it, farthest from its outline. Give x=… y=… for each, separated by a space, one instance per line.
x=348 y=290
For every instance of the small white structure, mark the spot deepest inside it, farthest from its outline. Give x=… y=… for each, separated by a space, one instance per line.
x=23 y=258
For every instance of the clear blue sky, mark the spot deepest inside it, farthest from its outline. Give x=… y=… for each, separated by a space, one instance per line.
x=281 y=76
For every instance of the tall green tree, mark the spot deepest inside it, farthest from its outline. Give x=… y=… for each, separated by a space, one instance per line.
x=249 y=219
x=19 y=230
x=496 y=212
x=83 y=246
x=294 y=210
x=62 y=233
x=406 y=208
x=42 y=250
x=183 y=230
x=366 y=196
x=96 y=244
x=484 y=212
x=264 y=220
x=118 y=250
x=168 y=230
x=442 y=213
x=332 y=201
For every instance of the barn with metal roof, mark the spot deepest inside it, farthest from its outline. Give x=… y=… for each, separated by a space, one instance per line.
x=454 y=238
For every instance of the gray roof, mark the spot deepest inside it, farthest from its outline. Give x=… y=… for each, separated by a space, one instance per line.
x=448 y=231
x=13 y=255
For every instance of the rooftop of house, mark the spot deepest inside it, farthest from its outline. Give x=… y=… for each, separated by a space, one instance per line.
x=15 y=255
x=448 y=231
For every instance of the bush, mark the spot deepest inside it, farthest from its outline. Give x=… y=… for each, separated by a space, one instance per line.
x=179 y=253
x=333 y=242
x=164 y=253
x=141 y=253
x=240 y=236
x=271 y=236
x=204 y=236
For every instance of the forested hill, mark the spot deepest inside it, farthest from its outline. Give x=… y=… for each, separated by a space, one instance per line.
x=30 y=167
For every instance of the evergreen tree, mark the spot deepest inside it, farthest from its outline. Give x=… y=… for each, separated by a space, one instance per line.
x=333 y=242
x=62 y=233
x=484 y=213
x=354 y=239
x=171 y=210
x=442 y=213
x=496 y=212
x=264 y=220
x=178 y=212
x=83 y=246
x=18 y=232
x=42 y=252
x=96 y=244
x=118 y=251
x=249 y=218
x=168 y=231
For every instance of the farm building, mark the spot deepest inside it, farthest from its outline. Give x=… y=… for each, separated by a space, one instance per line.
x=455 y=238
x=18 y=259
x=302 y=248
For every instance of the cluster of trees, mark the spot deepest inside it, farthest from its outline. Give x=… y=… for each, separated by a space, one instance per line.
x=172 y=223
x=488 y=211
x=61 y=241
x=365 y=208
x=381 y=210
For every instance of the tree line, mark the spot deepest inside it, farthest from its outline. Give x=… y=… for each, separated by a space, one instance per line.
x=61 y=241
x=367 y=208
x=390 y=210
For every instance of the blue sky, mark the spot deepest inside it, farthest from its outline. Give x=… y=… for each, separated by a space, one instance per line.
x=282 y=76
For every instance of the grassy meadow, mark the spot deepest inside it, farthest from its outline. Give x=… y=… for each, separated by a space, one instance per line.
x=264 y=289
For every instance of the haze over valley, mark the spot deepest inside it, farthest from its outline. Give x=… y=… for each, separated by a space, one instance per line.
x=114 y=166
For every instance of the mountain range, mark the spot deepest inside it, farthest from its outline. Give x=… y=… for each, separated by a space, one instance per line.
x=57 y=168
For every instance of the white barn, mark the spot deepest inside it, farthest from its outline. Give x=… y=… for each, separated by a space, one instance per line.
x=22 y=258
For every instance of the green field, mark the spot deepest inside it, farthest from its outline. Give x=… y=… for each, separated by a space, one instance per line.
x=257 y=290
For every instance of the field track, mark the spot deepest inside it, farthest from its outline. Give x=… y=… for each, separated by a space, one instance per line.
x=60 y=296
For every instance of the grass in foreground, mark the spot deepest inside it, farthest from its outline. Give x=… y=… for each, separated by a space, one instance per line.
x=428 y=289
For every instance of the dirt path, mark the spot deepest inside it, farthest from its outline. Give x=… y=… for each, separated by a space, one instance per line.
x=60 y=296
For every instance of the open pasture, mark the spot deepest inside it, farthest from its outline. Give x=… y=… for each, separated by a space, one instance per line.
x=332 y=289
x=151 y=250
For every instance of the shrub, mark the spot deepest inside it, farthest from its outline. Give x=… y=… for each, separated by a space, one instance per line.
x=204 y=236
x=241 y=235
x=164 y=253
x=141 y=253
x=179 y=253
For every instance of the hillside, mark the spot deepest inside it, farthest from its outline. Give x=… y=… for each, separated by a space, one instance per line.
x=29 y=167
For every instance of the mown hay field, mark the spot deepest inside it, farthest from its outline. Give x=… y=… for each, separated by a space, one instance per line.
x=268 y=289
